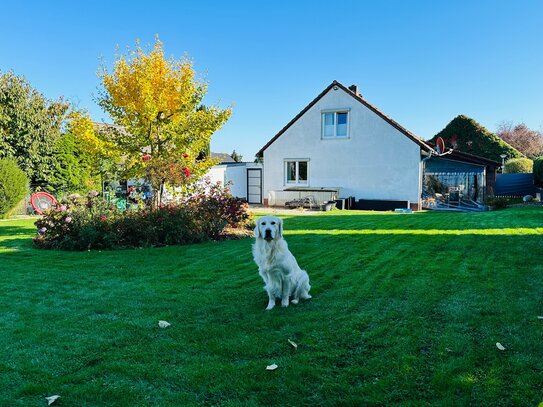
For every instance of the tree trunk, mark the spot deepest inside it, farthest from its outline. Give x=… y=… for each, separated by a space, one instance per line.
x=158 y=192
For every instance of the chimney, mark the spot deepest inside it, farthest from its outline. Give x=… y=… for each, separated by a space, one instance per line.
x=354 y=89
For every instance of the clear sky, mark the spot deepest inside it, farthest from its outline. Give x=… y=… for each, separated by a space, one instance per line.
x=420 y=62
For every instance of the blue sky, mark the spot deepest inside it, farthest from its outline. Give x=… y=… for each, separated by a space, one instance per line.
x=420 y=62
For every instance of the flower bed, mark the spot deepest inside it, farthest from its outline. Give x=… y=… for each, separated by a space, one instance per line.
x=77 y=223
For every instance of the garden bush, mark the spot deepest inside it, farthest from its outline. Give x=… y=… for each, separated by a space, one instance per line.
x=519 y=165
x=90 y=223
x=495 y=202
x=538 y=171
x=214 y=200
x=13 y=185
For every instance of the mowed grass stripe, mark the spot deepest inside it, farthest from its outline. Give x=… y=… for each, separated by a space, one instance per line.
x=396 y=318
x=504 y=231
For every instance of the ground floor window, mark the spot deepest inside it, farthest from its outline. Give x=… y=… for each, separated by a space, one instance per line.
x=296 y=172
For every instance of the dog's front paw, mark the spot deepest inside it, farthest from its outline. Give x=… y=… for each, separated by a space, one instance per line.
x=295 y=301
x=284 y=303
x=270 y=306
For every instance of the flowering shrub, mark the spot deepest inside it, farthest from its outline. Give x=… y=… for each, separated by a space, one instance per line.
x=211 y=200
x=75 y=223
x=78 y=223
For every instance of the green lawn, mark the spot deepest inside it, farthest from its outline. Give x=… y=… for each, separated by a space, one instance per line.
x=406 y=309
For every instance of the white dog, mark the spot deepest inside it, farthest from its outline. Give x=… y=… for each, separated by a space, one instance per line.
x=282 y=276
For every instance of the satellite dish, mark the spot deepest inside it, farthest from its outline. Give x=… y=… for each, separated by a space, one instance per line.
x=440 y=145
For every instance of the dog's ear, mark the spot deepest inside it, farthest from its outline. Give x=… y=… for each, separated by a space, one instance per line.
x=280 y=228
x=257 y=231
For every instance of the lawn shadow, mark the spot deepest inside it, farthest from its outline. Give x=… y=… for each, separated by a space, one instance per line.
x=16 y=236
x=8 y=230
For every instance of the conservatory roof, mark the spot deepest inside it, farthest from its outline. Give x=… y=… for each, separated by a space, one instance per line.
x=469 y=158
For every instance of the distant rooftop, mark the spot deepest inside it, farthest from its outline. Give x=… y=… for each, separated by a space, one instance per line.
x=223 y=157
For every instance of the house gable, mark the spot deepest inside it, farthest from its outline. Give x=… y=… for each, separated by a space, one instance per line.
x=374 y=159
x=358 y=98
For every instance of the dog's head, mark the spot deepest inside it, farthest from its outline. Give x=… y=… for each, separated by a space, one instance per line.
x=269 y=228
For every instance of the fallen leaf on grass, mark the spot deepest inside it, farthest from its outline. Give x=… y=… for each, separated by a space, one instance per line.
x=294 y=345
x=51 y=399
x=271 y=367
x=163 y=324
x=500 y=346
x=448 y=349
x=540 y=317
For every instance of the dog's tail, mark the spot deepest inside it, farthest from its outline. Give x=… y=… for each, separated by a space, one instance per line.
x=305 y=287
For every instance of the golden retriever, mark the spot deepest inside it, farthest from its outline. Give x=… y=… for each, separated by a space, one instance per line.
x=282 y=276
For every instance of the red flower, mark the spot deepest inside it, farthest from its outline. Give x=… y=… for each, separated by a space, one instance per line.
x=185 y=155
x=186 y=171
x=146 y=157
x=103 y=217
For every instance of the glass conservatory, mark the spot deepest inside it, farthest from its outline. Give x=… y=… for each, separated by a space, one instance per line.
x=453 y=185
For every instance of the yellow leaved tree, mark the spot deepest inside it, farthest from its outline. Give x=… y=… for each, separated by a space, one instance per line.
x=164 y=129
x=103 y=156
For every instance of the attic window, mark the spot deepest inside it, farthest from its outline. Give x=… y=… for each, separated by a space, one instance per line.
x=335 y=124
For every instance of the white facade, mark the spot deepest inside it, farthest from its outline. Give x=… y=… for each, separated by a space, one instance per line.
x=372 y=160
x=235 y=173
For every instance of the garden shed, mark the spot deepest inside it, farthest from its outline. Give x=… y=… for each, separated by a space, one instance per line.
x=245 y=179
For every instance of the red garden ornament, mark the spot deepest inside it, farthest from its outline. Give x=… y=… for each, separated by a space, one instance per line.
x=41 y=201
x=146 y=157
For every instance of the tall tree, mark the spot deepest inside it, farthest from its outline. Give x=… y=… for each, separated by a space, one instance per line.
x=84 y=160
x=30 y=126
x=236 y=157
x=164 y=125
x=528 y=142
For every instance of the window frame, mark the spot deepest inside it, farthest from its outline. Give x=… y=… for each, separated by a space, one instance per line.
x=297 y=162
x=336 y=112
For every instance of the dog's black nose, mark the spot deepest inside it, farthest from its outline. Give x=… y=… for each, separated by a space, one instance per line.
x=267 y=234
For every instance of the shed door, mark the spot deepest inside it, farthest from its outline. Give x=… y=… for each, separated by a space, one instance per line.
x=254 y=185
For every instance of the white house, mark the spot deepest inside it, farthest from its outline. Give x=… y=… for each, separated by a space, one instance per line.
x=340 y=145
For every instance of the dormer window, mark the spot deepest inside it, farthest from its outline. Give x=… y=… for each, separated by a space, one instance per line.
x=335 y=124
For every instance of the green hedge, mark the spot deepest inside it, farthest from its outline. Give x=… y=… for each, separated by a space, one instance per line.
x=13 y=185
x=538 y=171
x=519 y=165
